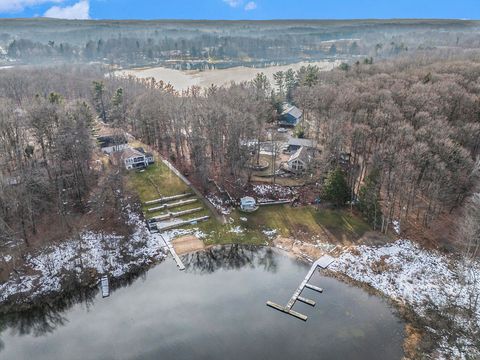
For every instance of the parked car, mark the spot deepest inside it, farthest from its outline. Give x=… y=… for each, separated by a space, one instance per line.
x=282 y=130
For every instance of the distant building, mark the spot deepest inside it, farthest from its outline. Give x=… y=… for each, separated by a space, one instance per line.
x=248 y=204
x=290 y=116
x=299 y=161
x=112 y=143
x=136 y=158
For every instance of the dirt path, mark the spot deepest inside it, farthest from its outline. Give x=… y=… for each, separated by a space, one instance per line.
x=187 y=244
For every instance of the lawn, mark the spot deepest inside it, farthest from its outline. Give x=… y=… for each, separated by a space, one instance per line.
x=156 y=181
x=303 y=223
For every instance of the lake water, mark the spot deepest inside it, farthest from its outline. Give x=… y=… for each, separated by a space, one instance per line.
x=213 y=310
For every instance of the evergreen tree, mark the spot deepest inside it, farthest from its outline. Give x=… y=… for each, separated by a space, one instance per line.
x=98 y=99
x=335 y=188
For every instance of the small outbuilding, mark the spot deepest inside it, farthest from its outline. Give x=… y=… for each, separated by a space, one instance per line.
x=112 y=143
x=248 y=204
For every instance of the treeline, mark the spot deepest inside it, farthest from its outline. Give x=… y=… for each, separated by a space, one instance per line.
x=141 y=43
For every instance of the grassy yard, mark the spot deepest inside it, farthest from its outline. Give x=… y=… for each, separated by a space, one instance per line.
x=298 y=222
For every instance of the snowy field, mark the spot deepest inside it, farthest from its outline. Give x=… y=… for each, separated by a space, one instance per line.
x=426 y=280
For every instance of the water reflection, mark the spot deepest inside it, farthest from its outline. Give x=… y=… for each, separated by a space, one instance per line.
x=231 y=257
x=213 y=310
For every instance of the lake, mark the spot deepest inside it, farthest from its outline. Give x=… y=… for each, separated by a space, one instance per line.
x=181 y=80
x=215 y=309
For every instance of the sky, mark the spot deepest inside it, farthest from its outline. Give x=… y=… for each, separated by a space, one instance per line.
x=240 y=9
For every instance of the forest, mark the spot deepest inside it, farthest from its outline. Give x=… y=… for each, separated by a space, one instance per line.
x=412 y=127
x=194 y=44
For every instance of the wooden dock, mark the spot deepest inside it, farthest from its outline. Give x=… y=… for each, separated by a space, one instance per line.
x=174 y=254
x=323 y=263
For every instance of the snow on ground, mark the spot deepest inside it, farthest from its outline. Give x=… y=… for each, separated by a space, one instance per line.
x=270 y=233
x=237 y=230
x=267 y=192
x=219 y=204
x=106 y=253
x=423 y=279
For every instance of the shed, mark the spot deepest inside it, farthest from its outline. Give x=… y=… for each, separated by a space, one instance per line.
x=248 y=204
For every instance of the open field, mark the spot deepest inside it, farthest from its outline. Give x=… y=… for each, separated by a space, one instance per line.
x=181 y=80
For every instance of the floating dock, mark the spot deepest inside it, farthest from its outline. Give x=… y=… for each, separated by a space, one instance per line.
x=176 y=214
x=174 y=254
x=172 y=205
x=182 y=223
x=105 y=286
x=323 y=263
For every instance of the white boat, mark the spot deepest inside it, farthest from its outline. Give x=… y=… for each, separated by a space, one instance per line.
x=105 y=286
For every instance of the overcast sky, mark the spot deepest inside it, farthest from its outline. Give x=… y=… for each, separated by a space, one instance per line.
x=241 y=9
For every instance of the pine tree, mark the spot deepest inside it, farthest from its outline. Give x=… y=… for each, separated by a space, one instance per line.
x=335 y=188
x=369 y=198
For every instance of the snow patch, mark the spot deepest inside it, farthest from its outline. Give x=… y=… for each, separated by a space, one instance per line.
x=423 y=279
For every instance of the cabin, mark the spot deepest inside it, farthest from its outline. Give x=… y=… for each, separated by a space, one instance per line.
x=290 y=116
x=112 y=143
x=248 y=204
x=299 y=161
x=136 y=158
x=295 y=143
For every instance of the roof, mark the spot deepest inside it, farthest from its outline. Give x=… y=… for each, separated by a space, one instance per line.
x=111 y=140
x=291 y=110
x=300 y=154
x=129 y=153
x=142 y=150
x=300 y=142
x=247 y=200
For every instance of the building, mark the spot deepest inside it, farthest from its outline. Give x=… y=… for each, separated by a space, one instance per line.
x=290 y=116
x=136 y=158
x=112 y=143
x=295 y=143
x=248 y=204
x=299 y=161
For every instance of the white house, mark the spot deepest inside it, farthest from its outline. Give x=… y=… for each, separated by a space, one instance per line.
x=299 y=161
x=136 y=158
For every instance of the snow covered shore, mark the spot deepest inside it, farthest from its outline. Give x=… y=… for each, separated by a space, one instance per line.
x=109 y=254
x=425 y=280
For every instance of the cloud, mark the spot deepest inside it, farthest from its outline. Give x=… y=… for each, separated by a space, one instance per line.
x=12 y=6
x=233 y=3
x=251 y=5
x=79 y=10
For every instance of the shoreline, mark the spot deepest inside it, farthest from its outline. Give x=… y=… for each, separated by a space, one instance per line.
x=420 y=335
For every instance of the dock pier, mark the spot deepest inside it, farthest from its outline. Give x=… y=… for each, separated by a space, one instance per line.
x=323 y=263
x=174 y=254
